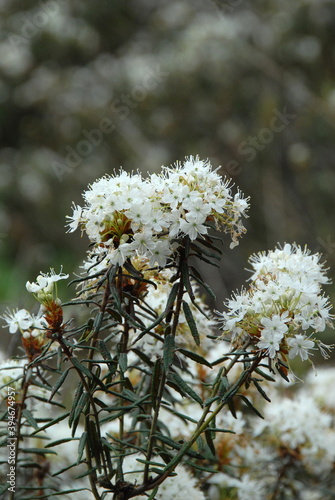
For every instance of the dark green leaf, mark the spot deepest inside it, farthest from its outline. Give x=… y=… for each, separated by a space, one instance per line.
x=79 y=408
x=81 y=367
x=177 y=446
x=168 y=351
x=209 y=441
x=251 y=406
x=30 y=419
x=200 y=467
x=123 y=361
x=59 y=383
x=185 y=388
x=201 y=257
x=223 y=387
x=143 y=356
x=205 y=286
x=77 y=396
x=207 y=242
x=264 y=375
x=231 y=406
x=87 y=472
x=200 y=445
x=202 y=251
x=154 y=491
x=60 y=441
x=94 y=442
x=155 y=380
x=195 y=357
x=38 y=451
x=191 y=323
x=61 y=471
x=261 y=391
x=51 y=423
x=185 y=274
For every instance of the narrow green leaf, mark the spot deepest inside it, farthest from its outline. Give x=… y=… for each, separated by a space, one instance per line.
x=201 y=257
x=123 y=361
x=94 y=442
x=84 y=474
x=60 y=441
x=251 y=406
x=261 y=391
x=154 y=491
x=38 y=451
x=81 y=367
x=64 y=469
x=231 y=406
x=191 y=322
x=98 y=322
x=155 y=379
x=59 y=383
x=204 y=285
x=195 y=357
x=207 y=242
x=77 y=396
x=30 y=419
x=217 y=429
x=143 y=356
x=200 y=444
x=185 y=274
x=177 y=446
x=168 y=351
x=209 y=441
x=202 y=251
x=200 y=467
x=79 y=408
x=185 y=388
x=264 y=375
x=59 y=358
x=103 y=349
x=223 y=387
x=51 y=423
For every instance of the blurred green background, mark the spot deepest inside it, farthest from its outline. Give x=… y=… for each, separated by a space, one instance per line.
x=86 y=87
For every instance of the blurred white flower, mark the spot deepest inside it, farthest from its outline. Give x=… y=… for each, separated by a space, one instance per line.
x=18 y=320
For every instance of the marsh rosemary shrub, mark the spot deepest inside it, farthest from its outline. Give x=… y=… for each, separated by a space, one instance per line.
x=144 y=397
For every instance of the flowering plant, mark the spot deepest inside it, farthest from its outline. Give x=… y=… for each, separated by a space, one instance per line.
x=152 y=374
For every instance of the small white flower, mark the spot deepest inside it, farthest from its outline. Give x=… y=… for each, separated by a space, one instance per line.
x=44 y=282
x=276 y=324
x=18 y=320
x=270 y=341
x=75 y=218
x=300 y=346
x=120 y=254
x=160 y=254
x=192 y=227
x=41 y=284
x=143 y=242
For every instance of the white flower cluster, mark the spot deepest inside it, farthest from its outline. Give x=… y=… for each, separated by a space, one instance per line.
x=21 y=320
x=292 y=449
x=284 y=301
x=299 y=424
x=130 y=216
